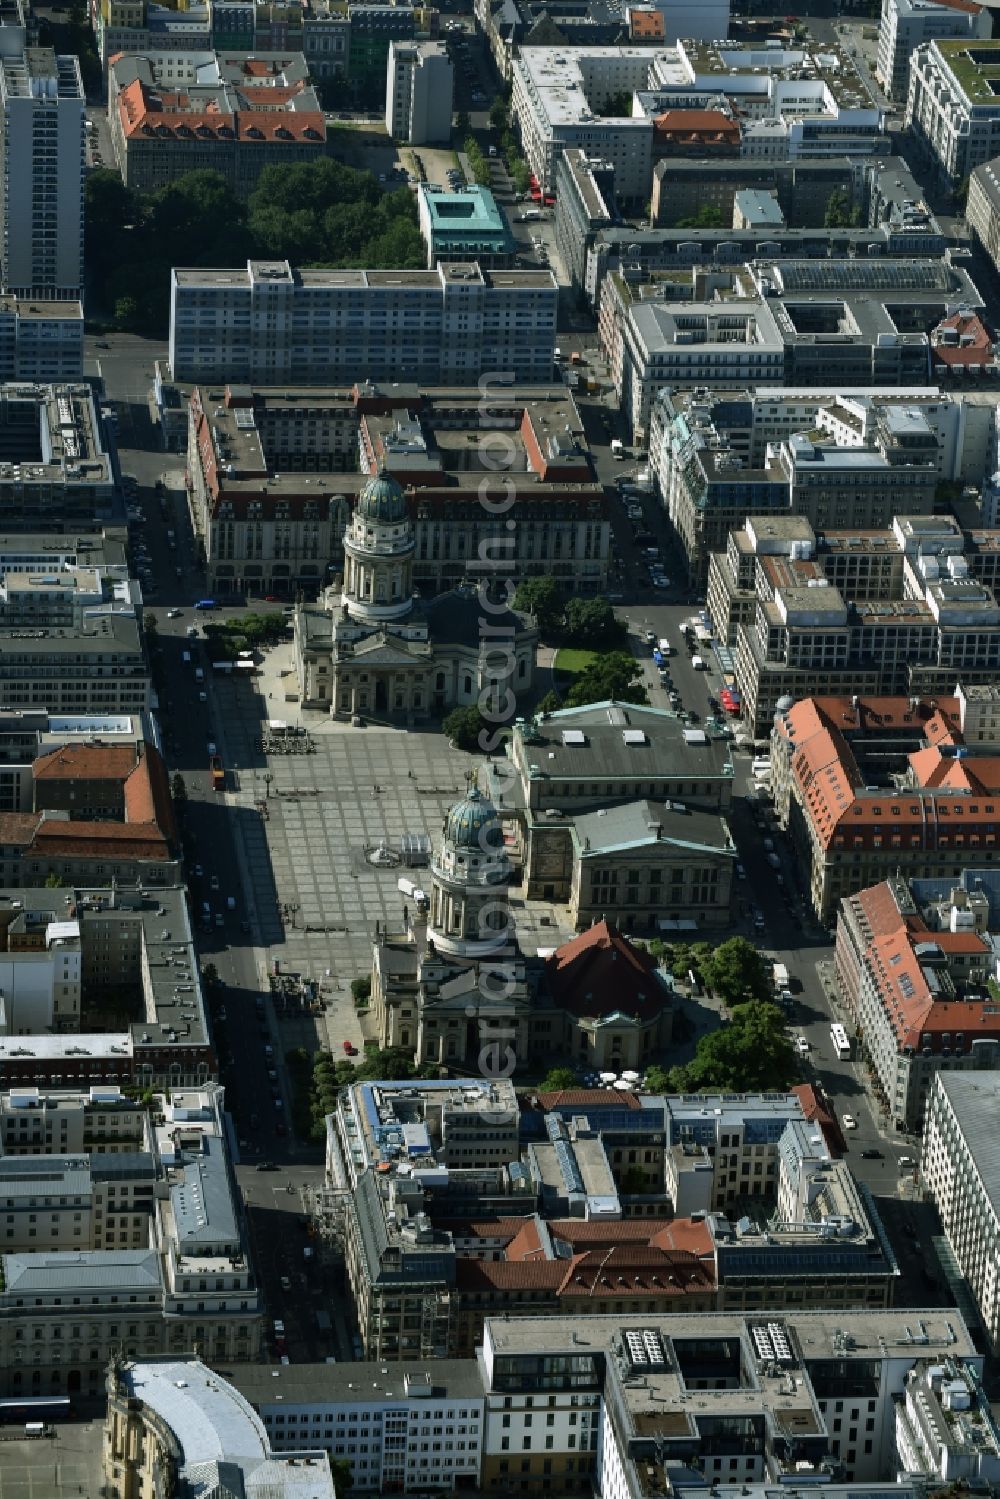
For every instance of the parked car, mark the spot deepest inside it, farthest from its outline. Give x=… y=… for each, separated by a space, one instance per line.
x=848 y=1121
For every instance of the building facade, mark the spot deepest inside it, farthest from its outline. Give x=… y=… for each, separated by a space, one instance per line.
x=419 y=91
x=270 y=325
x=951 y=108
x=42 y=140
x=959 y=1170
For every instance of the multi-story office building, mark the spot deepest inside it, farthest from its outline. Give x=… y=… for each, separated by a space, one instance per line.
x=136 y=1252
x=983 y=207
x=102 y=1120
x=907 y=24
x=795 y=322
x=722 y=1149
x=407 y=1428
x=868 y=824
x=161 y=128
x=945 y=1429
x=42 y=142
x=601 y=1388
x=275 y=475
x=419 y=90
x=56 y=472
x=174 y=1425
x=806 y=464
x=792 y=101
x=959 y=1170
x=373 y=29
x=41 y=339
x=97 y=668
x=951 y=108
x=879 y=611
x=113 y=953
x=270 y=325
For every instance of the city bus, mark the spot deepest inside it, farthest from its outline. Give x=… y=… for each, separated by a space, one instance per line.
x=34 y=1408
x=841 y=1042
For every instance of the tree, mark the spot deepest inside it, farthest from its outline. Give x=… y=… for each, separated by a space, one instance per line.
x=53 y=882
x=543 y=598
x=557 y=1080
x=610 y=676
x=707 y=217
x=752 y=1054
x=210 y=975
x=592 y=624
x=343 y=1476
x=361 y=990
x=127 y=312
x=736 y=971
x=634 y=1180
x=499 y=112
x=178 y=788
x=521 y=174
x=840 y=214
x=463 y=726
x=657 y=1079
x=462 y=123
x=550 y=703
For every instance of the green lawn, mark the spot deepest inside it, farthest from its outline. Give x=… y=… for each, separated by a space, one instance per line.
x=571 y=663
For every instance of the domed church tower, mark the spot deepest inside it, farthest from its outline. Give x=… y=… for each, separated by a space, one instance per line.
x=470 y=914
x=378 y=555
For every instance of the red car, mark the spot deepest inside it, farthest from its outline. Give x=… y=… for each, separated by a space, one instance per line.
x=350 y=1048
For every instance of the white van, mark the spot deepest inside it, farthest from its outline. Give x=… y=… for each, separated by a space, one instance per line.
x=617 y=448
x=698 y=663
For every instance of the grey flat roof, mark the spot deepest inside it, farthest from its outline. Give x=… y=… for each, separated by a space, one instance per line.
x=81 y=1270
x=44 y=1175
x=607 y=754
x=644 y=822
x=339 y=1384
x=202 y=1202
x=975 y=1101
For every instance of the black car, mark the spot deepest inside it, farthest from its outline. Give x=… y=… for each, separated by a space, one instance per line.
x=871 y=1155
x=266 y=1166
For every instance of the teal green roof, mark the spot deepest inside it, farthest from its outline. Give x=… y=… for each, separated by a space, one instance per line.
x=473 y=823
x=469 y=219
x=382 y=500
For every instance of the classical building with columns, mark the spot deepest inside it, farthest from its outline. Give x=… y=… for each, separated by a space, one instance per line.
x=458 y=985
x=372 y=647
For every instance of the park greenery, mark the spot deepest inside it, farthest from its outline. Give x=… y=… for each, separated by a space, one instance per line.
x=752 y=1053
x=226 y=640
x=734 y=970
x=463 y=727
x=317 y=1079
x=586 y=623
x=320 y=213
x=709 y=216
x=477 y=161
x=558 y=1080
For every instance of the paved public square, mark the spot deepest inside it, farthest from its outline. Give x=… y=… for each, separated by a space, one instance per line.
x=306 y=821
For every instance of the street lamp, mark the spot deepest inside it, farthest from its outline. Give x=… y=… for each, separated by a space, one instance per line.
x=268 y=778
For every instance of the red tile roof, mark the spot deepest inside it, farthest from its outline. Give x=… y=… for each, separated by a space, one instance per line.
x=588 y=1098
x=160 y=114
x=691 y=126
x=600 y=971
x=975 y=341
x=85 y=762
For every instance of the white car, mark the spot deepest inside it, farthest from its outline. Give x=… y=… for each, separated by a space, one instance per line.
x=848 y=1121
x=174 y=613
x=801 y=1046
x=650 y=637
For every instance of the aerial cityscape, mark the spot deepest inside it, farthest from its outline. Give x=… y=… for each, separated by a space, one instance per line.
x=499 y=749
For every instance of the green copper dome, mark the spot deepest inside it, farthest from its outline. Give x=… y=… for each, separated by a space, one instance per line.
x=473 y=823
x=382 y=500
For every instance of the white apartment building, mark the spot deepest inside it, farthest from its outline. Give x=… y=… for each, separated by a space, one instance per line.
x=272 y=325
x=960 y=1167
x=952 y=108
x=792 y=102
x=405 y=1428
x=906 y=24
x=945 y=1429
x=720 y=1148
x=42 y=145
x=419 y=92
x=41 y=338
